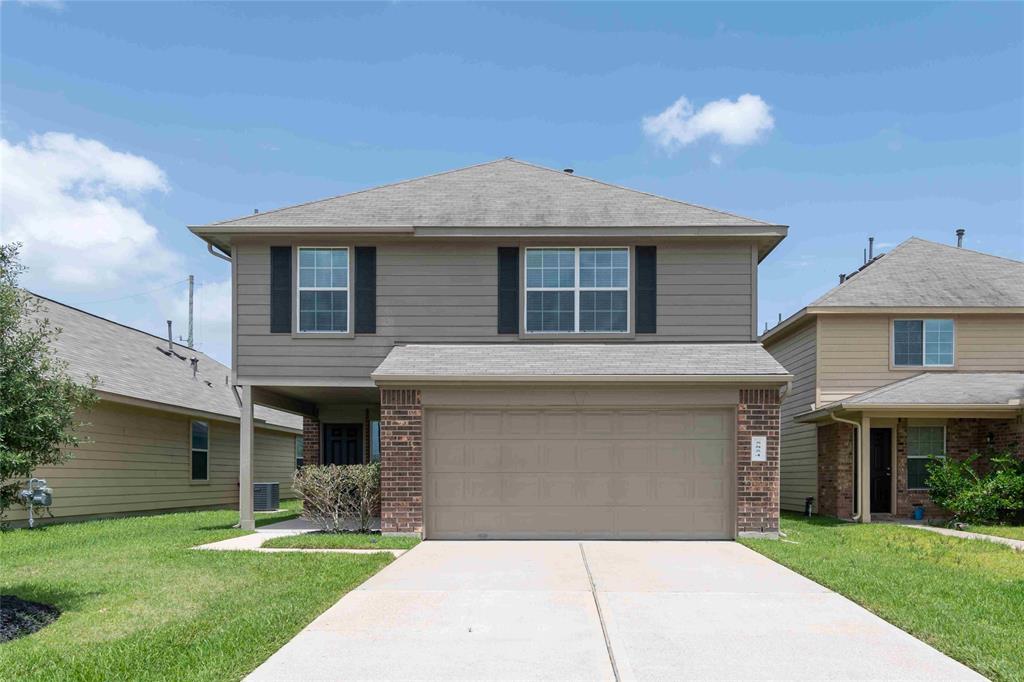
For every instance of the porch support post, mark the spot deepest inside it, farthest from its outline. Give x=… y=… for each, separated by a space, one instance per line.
x=864 y=469
x=247 y=519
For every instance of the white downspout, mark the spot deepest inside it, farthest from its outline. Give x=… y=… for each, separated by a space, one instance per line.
x=857 y=467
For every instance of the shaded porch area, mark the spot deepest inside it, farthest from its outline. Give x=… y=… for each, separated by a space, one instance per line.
x=873 y=448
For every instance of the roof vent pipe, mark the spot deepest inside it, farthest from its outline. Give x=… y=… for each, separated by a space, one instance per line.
x=170 y=339
x=195 y=366
x=255 y=211
x=871 y=248
x=570 y=171
x=960 y=232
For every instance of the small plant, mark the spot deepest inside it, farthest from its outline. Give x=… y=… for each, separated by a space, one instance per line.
x=997 y=496
x=333 y=495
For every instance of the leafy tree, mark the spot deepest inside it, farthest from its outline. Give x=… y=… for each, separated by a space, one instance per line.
x=38 y=399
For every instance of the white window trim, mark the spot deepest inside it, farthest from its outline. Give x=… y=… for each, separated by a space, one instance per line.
x=299 y=289
x=300 y=452
x=924 y=341
x=576 y=289
x=910 y=457
x=192 y=451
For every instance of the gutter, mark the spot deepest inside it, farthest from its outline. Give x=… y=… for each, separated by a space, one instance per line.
x=856 y=426
x=224 y=255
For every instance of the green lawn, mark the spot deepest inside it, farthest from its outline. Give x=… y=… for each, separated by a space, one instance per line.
x=343 y=541
x=964 y=597
x=138 y=604
x=1012 y=532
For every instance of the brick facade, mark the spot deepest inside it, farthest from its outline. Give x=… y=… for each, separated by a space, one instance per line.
x=964 y=437
x=401 y=460
x=835 y=470
x=757 y=483
x=310 y=440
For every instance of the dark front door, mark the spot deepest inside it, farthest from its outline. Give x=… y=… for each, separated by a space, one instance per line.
x=343 y=444
x=881 y=471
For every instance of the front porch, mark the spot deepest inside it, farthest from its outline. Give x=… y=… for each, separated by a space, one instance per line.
x=873 y=448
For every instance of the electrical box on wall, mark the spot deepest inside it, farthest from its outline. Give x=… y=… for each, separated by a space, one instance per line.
x=758 y=448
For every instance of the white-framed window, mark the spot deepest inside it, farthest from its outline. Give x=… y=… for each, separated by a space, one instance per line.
x=323 y=290
x=199 y=451
x=577 y=289
x=922 y=343
x=299 y=455
x=923 y=442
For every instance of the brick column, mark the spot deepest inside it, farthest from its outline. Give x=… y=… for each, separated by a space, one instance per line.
x=835 y=470
x=401 y=461
x=757 y=483
x=310 y=440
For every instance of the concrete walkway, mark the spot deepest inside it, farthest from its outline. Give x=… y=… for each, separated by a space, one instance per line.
x=1009 y=542
x=253 y=542
x=599 y=611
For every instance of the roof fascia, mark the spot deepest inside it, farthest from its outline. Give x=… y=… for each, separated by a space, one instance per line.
x=915 y=310
x=790 y=324
x=689 y=379
x=119 y=399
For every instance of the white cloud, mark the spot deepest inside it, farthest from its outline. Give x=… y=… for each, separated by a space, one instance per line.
x=69 y=201
x=735 y=123
x=716 y=158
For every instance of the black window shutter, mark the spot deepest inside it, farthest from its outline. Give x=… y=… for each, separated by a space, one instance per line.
x=508 y=289
x=646 y=289
x=281 y=289
x=366 y=290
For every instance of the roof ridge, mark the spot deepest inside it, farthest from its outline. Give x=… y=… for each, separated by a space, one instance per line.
x=958 y=248
x=366 y=189
x=125 y=326
x=637 y=191
x=858 y=270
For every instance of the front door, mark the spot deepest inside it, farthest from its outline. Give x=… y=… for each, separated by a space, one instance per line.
x=881 y=471
x=343 y=444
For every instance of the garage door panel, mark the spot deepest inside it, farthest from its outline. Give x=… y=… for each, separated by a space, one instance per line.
x=586 y=473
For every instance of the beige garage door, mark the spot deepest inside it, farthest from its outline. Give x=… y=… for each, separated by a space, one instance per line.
x=573 y=473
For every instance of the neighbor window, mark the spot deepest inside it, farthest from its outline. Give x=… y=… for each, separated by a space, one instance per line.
x=200 y=449
x=571 y=290
x=299 y=459
x=923 y=442
x=323 y=289
x=922 y=343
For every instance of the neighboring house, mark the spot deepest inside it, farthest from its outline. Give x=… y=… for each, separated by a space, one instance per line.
x=164 y=435
x=536 y=354
x=922 y=350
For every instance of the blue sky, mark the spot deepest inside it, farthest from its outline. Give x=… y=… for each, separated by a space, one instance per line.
x=887 y=120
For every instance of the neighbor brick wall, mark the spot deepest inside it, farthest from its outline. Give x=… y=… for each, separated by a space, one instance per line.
x=835 y=470
x=401 y=460
x=757 y=483
x=310 y=440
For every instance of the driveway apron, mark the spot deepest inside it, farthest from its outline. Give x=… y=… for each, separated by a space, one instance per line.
x=562 y=610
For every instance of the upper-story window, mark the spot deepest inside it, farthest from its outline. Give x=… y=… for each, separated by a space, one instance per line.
x=922 y=343
x=323 y=289
x=577 y=289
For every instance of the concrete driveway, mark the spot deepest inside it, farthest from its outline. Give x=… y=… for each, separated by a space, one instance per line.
x=599 y=611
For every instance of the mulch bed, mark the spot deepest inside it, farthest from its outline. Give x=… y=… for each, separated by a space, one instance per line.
x=19 y=617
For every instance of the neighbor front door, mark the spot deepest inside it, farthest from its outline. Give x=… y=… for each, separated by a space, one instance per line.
x=881 y=471
x=343 y=444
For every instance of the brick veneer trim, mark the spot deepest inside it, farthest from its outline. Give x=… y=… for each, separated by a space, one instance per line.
x=401 y=461
x=310 y=440
x=757 y=483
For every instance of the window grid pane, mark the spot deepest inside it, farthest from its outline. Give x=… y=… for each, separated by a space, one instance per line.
x=200 y=435
x=553 y=295
x=938 y=342
x=323 y=289
x=923 y=442
x=908 y=337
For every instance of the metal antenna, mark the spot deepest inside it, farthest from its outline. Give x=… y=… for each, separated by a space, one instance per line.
x=191 y=282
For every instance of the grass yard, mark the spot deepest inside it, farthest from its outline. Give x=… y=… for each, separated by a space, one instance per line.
x=343 y=541
x=964 y=597
x=138 y=604
x=1012 y=532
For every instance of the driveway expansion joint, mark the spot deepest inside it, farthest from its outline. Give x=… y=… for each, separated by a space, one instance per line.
x=600 y=615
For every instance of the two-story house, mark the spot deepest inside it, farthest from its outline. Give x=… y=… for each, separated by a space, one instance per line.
x=919 y=353
x=530 y=353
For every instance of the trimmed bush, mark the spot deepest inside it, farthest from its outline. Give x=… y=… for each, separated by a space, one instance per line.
x=997 y=496
x=335 y=495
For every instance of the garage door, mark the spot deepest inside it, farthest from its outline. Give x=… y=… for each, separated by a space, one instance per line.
x=574 y=473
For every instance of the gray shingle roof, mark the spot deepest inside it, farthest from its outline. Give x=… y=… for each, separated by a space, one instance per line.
x=947 y=388
x=502 y=193
x=127 y=363
x=920 y=273
x=568 y=360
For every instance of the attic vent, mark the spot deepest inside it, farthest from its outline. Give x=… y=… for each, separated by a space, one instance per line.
x=208 y=383
x=569 y=171
x=170 y=353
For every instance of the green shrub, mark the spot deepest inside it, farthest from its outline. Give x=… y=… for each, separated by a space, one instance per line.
x=993 y=497
x=333 y=496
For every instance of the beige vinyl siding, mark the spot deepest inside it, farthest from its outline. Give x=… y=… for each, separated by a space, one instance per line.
x=854 y=353
x=138 y=460
x=799 y=446
x=446 y=291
